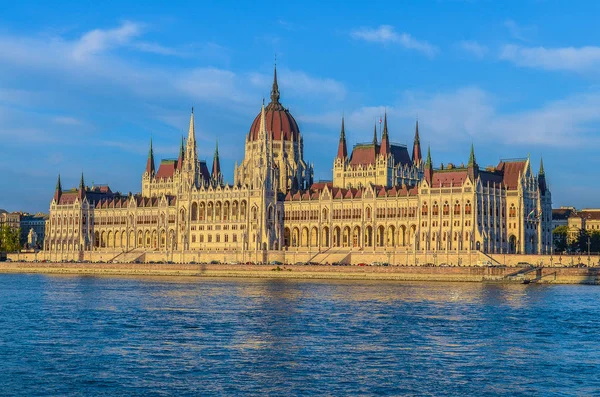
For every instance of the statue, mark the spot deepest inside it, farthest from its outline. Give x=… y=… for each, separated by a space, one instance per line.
x=32 y=238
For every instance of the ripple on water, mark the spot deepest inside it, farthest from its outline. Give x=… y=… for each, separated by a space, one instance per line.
x=168 y=336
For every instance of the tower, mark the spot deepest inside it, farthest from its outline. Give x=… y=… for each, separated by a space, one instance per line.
x=416 y=155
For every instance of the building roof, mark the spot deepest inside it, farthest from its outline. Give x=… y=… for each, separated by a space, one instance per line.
x=511 y=170
x=561 y=214
x=364 y=154
x=279 y=122
x=166 y=169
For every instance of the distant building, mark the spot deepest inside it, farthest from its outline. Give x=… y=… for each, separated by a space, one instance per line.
x=381 y=199
x=36 y=222
x=12 y=219
x=560 y=216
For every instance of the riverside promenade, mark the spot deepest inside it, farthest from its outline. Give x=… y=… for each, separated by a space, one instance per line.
x=542 y=275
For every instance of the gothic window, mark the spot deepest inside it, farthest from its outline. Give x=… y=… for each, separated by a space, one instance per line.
x=194 y=211
x=456 y=208
x=435 y=209
x=468 y=208
x=512 y=212
x=446 y=209
x=424 y=209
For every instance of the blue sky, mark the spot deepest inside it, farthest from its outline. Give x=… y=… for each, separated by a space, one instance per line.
x=84 y=85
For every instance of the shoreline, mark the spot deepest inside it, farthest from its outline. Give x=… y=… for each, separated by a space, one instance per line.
x=541 y=275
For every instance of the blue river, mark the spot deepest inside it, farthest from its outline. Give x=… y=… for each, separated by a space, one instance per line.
x=136 y=336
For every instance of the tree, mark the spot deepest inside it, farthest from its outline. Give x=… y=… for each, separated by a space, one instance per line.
x=559 y=236
x=9 y=239
x=579 y=244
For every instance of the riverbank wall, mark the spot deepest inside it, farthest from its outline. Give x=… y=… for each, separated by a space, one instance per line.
x=327 y=257
x=551 y=275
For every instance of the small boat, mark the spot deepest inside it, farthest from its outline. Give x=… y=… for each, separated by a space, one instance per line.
x=526 y=281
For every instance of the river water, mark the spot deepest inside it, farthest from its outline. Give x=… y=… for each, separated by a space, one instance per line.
x=89 y=336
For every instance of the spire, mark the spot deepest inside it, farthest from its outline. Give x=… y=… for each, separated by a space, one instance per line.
x=216 y=168
x=472 y=167
x=428 y=167
x=192 y=130
x=58 y=190
x=417 y=157
x=542 y=179
x=262 y=120
x=150 y=162
x=81 y=192
x=190 y=156
x=385 y=139
x=275 y=90
x=342 y=150
x=375 y=134
x=472 y=161
x=181 y=154
x=428 y=163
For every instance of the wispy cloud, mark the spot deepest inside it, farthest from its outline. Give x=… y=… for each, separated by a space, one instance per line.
x=473 y=48
x=67 y=120
x=472 y=114
x=98 y=40
x=582 y=59
x=386 y=34
x=519 y=32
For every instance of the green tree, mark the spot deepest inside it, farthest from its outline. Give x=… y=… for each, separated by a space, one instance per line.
x=579 y=244
x=559 y=236
x=9 y=239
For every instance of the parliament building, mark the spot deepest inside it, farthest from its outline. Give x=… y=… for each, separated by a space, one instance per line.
x=382 y=198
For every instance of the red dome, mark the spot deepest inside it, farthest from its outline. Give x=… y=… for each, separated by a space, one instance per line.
x=279 y=121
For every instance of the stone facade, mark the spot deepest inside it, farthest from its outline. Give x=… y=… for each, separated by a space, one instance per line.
x=381 y=200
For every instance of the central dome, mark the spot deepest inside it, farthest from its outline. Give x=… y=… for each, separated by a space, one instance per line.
x=279 y=122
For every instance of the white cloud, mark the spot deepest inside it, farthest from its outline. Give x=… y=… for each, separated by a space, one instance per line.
x=582 y=59
x=67 y=120
x=473 y=48
x=386 y=34
x=518 y=32
x=98 y=40
x=451 y=119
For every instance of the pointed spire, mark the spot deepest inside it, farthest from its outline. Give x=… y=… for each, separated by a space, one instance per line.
x=375 y=134
x=192 y=130
x=342 y=149
x=150 y=162
x=417 y=157
x=262 y=119
x=472 y=161
x=181 y=154
x=216 y=168
x=81 y=192
x=275 y=89
x=385 y=139
x=428 y=163
x=58 y=190
x=542 y=179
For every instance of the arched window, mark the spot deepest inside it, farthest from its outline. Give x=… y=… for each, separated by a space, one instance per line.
x=446 y=209
x=512 y=212
x=456 y=208
x=194 y=211
x=468 y=208
x=424 y=209
x=435 y=211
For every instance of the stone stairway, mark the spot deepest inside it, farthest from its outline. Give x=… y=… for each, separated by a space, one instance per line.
x=129 y=256
x=332 y=255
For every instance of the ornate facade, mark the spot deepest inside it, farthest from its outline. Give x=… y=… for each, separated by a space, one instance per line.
x=381 y=199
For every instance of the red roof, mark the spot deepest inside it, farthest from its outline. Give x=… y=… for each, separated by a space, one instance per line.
x=512 y=170
x=364 y=154
x=279 y=122
x=166 y=169
x=449 y=178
